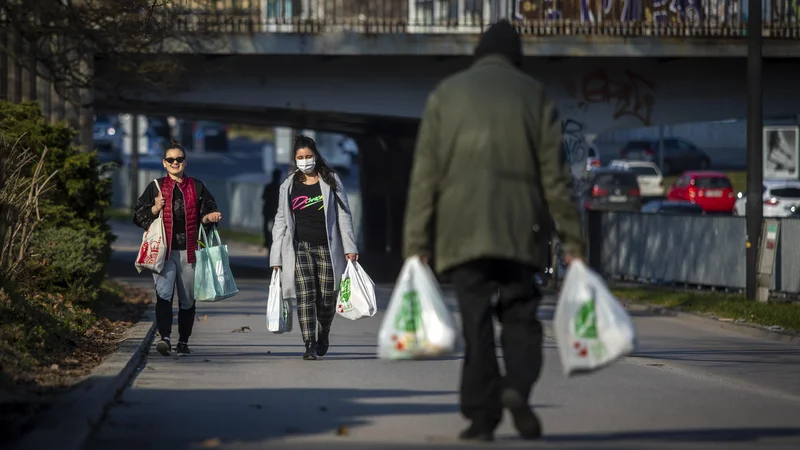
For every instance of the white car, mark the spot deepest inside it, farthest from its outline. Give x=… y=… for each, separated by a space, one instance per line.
x=651 y=182
x=779 y=197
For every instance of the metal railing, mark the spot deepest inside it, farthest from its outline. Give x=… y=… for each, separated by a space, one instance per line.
x=704 y=251
x=668 y=18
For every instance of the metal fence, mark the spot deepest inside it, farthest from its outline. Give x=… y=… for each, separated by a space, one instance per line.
x=678 y=18
x=693 y=250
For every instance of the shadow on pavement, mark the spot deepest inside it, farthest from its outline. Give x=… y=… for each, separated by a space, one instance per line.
x=699 y=435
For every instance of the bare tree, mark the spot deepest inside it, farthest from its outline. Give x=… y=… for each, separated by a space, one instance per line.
x=62 y=40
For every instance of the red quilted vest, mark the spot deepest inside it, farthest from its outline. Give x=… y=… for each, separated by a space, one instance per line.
x=187 y=187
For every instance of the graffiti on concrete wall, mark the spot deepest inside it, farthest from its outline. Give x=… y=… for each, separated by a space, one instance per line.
x=692 y=12
x=631 y=95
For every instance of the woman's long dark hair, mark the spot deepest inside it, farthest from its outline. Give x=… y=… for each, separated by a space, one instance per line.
x=321 y=167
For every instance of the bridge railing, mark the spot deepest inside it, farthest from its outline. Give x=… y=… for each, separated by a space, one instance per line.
x=678 y=18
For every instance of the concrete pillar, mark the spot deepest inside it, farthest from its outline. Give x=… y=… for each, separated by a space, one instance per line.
x=28 y=74
x=85 y=110
x=14 y=70
x=3 y=66
x=43 y=94
x=385 y=163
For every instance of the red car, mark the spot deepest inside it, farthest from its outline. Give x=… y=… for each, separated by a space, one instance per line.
x=712 y=191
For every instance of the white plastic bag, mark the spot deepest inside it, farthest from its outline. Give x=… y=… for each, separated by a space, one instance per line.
x=356 y=298
x=417 y=324
x=279 y=311
x=592 y=329
x=153 y=251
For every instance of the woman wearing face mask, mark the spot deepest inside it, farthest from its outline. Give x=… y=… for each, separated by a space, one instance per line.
x=185 y=203
x=312 y=240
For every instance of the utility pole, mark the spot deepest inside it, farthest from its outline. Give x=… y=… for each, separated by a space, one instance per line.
x=755 y=161
x=134 y=158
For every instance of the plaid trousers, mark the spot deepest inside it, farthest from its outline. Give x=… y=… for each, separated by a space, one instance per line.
x=316 y=292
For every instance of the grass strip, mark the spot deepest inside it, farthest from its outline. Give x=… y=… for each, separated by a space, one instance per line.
x=727 y=306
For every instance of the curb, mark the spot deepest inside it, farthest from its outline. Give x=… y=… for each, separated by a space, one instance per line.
x=71 y=418
x=744 y=328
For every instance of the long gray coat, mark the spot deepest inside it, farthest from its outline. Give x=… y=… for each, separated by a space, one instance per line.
x=339 y=224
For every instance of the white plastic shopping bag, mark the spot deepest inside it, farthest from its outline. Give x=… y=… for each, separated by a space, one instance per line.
x=592 y=329
x=356 y=298
x=279 y=311
x=153 y=251
x=417 y=324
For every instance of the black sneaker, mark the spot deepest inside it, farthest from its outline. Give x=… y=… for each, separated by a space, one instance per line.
x=164 y=347
x=311 y=351
x=182 y=348
x=323 y=343
x=473 y=433
x=525 y=420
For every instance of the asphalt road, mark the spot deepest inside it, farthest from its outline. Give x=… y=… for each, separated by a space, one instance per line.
x=688 y=386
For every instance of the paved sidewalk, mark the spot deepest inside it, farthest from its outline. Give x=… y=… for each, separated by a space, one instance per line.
x=689 y=386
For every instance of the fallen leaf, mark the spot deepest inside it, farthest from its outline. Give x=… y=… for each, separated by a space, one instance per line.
x=241 y=329
x=342 y=431
x=54 y=367
x=211 y=443
x=205 y=319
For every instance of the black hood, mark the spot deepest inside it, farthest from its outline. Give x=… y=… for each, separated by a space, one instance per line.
x=501 y=39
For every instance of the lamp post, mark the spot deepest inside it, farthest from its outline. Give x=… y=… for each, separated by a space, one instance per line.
x=755 y=162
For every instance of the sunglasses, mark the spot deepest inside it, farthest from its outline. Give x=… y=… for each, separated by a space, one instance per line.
x=180 y=160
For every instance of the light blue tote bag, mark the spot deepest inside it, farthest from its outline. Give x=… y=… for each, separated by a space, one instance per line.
x=213 y=280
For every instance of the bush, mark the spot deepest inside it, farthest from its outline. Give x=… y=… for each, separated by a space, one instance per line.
x=67 y=261
x=80 y=194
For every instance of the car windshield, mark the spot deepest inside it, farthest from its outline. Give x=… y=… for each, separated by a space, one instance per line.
x=712 y=183
x=616 y=179
x=786 y=192
x=644 y=170
x=639 y=145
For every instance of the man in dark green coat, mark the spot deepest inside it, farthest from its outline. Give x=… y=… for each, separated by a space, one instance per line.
x=488 y=187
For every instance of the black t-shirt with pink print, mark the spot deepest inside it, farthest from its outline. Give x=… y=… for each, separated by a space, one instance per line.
x=309 y=214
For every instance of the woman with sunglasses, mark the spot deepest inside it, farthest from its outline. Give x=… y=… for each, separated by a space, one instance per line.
x=186 y=204
x=312 y=240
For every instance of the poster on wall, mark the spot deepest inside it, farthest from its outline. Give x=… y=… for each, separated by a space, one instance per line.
x=781 y=161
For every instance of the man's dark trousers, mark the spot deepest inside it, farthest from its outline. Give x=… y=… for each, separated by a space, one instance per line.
x=476 y=283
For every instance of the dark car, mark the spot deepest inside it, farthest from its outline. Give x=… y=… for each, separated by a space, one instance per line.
x=679 y=154
x=613 y=190
x=673 y=208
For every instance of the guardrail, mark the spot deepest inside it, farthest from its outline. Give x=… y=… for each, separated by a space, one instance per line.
x=667 y=18
x=704 y=251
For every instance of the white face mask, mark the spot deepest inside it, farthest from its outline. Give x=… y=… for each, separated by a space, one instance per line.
x=306 y=165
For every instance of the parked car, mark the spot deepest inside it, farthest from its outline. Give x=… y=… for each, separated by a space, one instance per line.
x=613 y=190
x=651 y=182
x=781 y=198
x=210 y=136
x=679 y=154
x=108 y=138
x=711 y=190
x=672 y=208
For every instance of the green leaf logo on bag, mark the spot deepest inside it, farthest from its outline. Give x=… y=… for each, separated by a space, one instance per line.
x=408 y=316
x=585 y=321
x=344 y=288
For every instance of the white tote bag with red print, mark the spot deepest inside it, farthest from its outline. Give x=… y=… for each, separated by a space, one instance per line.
x=153 y=252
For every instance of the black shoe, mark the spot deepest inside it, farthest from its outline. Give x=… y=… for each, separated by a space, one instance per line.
x=323 y=343
x=525 y=420
x=311 y=351
x=164 y=347
x=182 y=348
x=474 y=433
